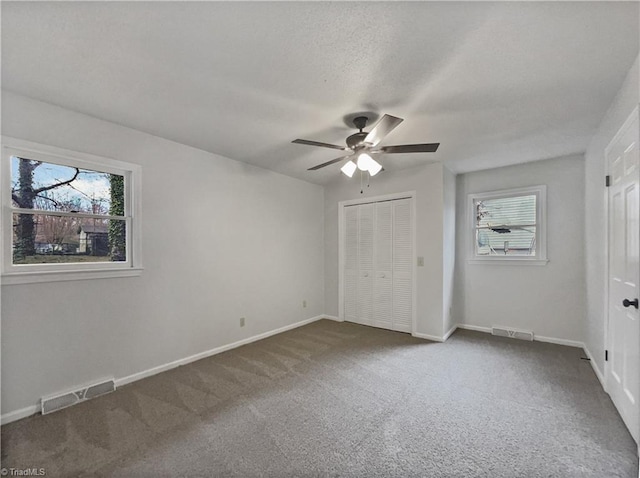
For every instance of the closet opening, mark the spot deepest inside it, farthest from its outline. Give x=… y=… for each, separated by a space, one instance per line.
x=376 y=262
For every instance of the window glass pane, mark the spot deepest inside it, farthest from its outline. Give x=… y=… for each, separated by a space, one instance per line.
x=506 y=241
x=506 y=226
x=53 y=187
x=47 y=238
x=506 y=211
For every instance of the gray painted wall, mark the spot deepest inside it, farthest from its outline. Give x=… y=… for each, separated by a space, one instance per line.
x=547 y=299
x=221 y=240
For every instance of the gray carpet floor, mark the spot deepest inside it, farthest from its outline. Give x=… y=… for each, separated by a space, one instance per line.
x=339 y=399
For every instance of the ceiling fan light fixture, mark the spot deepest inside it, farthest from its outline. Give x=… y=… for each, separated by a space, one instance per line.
x=375 y=167
x=365 y=162
x=349 y=168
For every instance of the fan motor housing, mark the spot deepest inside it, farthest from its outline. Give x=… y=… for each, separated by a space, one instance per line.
x=356 y=140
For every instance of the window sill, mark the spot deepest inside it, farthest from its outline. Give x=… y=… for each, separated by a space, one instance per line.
x=509 y=261
x=15 y=278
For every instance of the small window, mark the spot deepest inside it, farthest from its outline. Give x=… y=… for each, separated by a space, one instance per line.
x=508 y=225
x=67 y=213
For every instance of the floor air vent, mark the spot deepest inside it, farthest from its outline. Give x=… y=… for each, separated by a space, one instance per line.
x=64 y=400
x=512 y=333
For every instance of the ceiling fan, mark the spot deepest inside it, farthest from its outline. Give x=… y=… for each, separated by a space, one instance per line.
x=361 y=145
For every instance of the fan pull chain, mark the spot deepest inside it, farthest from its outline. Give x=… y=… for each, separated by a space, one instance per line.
x=361 y=189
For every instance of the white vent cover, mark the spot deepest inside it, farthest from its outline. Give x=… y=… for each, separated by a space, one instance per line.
x=512 y=333
x=64 y=400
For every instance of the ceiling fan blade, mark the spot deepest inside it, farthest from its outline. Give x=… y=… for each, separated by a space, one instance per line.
x=411 y=148
x=316 y=143
x=328 y=163
x=382 y=128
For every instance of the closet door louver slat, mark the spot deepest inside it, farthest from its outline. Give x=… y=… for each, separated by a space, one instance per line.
x=383 y=276
x=402 y=266
x=351 y=264
x=365 y=264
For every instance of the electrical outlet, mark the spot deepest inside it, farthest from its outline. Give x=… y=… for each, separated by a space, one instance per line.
x=241 y=321
x=304 y=304
x=420 y=261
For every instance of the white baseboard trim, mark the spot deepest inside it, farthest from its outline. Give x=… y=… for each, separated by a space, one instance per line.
x=536 y=337
x=476 y=328
x=433 y=338
x=332 y=317
x=553 y=340
x=18 y=414
x=595 y=367
x=33 y=409
x=450 y=333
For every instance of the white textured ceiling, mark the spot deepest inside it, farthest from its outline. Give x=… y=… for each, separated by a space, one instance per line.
x=494 y=83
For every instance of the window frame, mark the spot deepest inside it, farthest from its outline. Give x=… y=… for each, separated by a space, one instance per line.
x=540 y=257
x=28 y=273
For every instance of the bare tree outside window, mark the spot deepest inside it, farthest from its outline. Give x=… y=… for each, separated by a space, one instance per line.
x=60 y=208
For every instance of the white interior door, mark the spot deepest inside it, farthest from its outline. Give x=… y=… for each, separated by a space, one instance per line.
x=623 y=371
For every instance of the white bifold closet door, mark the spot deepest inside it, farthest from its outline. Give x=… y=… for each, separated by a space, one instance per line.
x=350 y=273
x=378 y=273
x=365 y=263
x=383 y=263
x=402 y=266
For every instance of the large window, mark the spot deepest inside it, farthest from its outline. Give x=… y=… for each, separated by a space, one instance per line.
x=66 y=214
x=509 y=226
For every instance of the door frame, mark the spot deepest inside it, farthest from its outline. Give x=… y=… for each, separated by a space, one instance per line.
x=607 y=345
x=374 y=199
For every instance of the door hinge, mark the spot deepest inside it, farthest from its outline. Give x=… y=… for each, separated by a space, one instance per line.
x=607 y=180
x=606 y=355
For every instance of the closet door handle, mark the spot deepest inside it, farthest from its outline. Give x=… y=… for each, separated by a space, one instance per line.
x=629 y=303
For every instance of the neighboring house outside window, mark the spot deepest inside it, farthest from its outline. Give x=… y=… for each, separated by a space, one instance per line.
x=67 y=215
x=508 y=226
x=94 y=240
